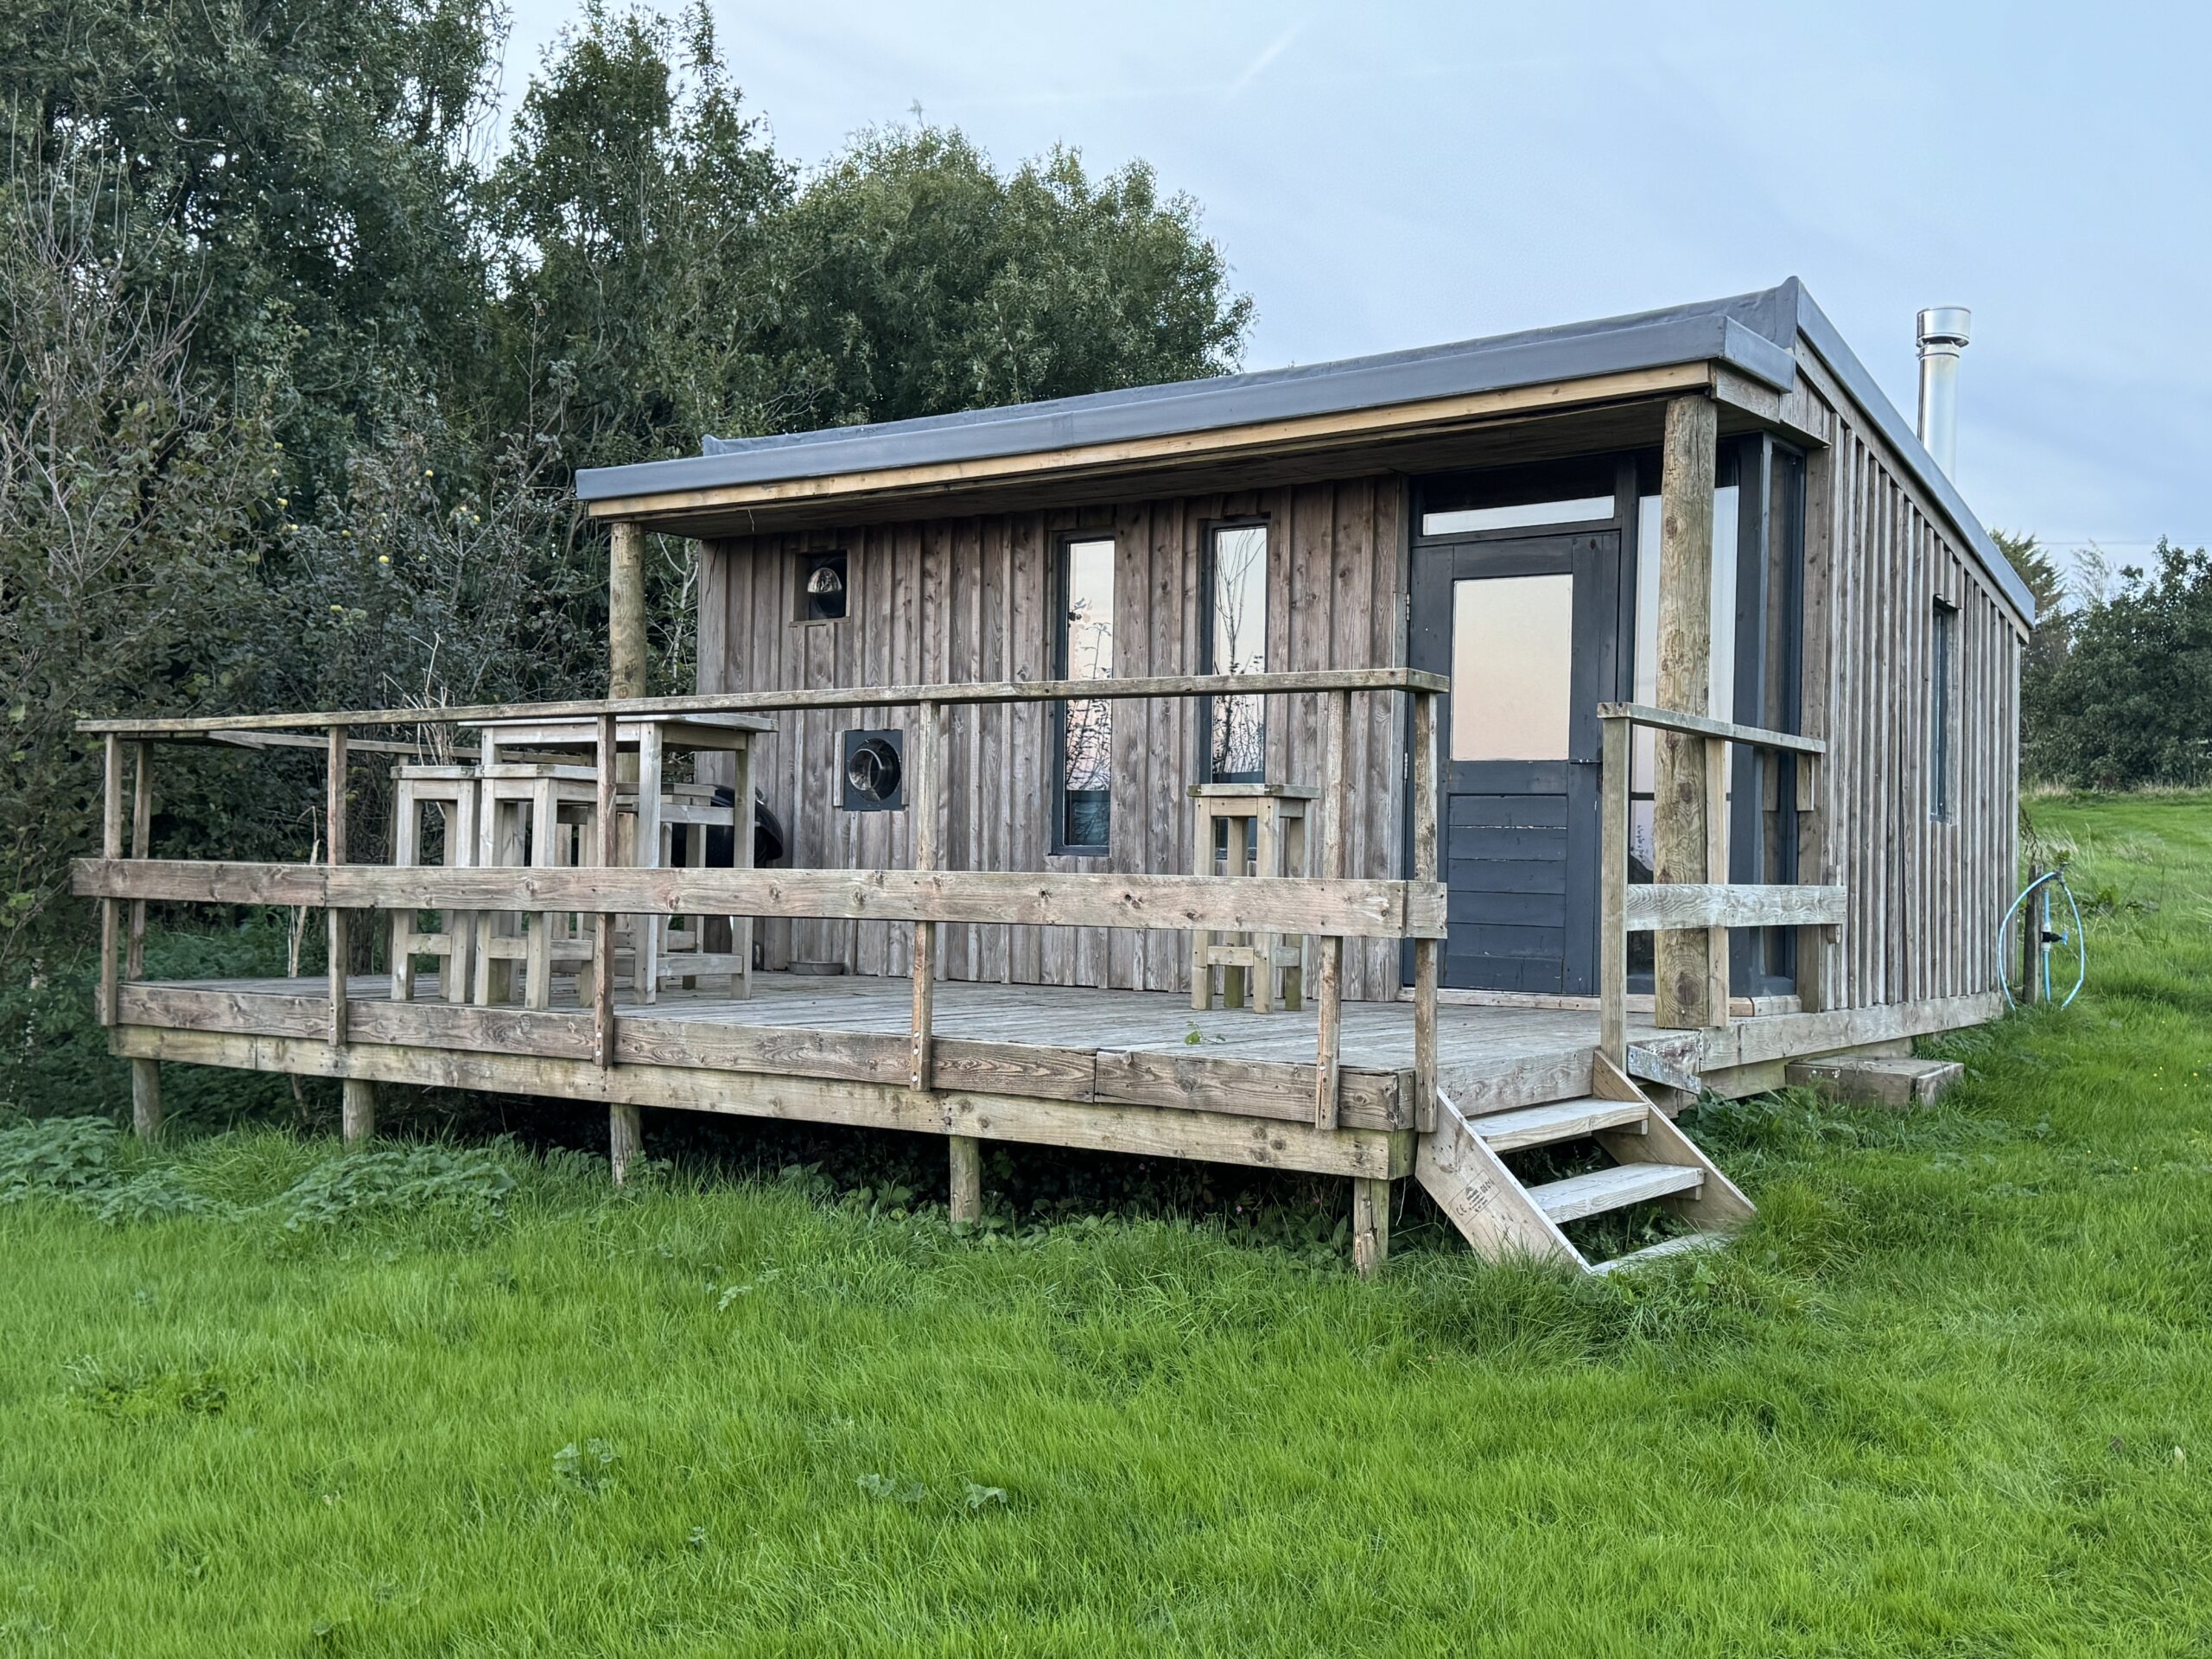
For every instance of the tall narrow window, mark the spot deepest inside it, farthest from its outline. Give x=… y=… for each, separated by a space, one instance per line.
x=1238 y=644
x=1943 y=648
x=1084 y=650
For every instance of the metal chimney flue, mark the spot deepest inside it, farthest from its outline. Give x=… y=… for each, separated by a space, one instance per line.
x=1943 y=331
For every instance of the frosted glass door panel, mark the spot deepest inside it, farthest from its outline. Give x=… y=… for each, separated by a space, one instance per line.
x=1512 y=667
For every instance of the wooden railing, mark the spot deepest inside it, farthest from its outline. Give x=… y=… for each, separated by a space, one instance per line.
x=1625 y=908
x=1330 y=906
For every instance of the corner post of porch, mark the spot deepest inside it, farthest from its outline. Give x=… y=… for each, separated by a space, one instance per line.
x=625 y=677
x=626 y=610
x=1688 y=962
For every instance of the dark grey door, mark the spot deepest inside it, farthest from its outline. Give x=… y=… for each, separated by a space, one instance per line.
x=1527 y=629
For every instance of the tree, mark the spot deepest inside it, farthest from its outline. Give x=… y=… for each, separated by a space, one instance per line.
x=300 y=167
x=910 y=278
x=132 y=509
x=2131 y=700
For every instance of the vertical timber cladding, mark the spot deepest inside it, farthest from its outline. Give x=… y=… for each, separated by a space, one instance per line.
x=1926 y=896
x=957 y=598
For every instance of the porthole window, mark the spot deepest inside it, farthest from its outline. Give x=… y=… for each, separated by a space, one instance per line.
x=823 y=593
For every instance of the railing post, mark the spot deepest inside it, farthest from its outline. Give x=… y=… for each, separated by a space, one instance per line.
x=1428 y=953
x=1683 y=794
x=1612 y=889
x=603 y=955
x=142 y=845
x=334 y=842
x=1716 y=871
x=111 y=849
x=1329 y=997
x=922 y=791
x=1812 y=851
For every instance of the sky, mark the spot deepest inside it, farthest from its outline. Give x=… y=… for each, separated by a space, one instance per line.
x=1382 y=177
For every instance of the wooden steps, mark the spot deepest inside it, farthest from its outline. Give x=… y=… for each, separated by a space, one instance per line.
x=1680 y=1244
x=1612 y=1189
x=1653 y=1161
x=1560 y=1120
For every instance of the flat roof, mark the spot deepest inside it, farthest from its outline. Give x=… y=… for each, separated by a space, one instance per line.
x=1754 y=334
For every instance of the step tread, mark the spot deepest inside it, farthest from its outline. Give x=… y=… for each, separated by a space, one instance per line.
x=1682 y=1245
x=1556 y=1120
x=1612 y=1189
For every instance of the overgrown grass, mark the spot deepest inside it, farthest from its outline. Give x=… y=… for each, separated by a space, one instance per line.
x=1948 y=1396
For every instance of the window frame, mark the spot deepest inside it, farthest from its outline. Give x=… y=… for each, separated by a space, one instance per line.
x=1207 y=573
x=1063 y=545
x=1942 y=711
x=808 y=561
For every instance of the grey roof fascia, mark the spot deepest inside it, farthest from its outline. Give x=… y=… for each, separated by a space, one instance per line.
x=1866 y=392
x=1715 y=331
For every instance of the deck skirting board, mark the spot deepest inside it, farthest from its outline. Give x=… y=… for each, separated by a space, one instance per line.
x=1282 y=1091
x=1794 y=1036
x=1209 y=1137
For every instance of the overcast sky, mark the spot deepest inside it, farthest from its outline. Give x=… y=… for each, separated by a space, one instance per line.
x=1385 y=176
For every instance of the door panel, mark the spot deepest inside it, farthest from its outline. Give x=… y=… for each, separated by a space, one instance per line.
x=1528 y=630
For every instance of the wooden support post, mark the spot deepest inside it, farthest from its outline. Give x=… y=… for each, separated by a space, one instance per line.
x=1428 y=953
x=358 y=1110
x=967 y=1179
x=1681 y=801
x=1612 y=890
x=146 y=1098
x=142 y=846
x=923 y=786
x=603 y=953
x=626 y=1138
x=334 y=843
x=625 y=612
x=1370 y=1225
x=111 y=847
x=1335 y=790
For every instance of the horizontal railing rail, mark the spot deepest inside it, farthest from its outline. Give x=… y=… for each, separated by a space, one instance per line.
x=1348 y=908
x=770 y=702
x=1712 y=906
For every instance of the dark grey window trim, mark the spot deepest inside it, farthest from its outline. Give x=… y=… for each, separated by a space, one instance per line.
x=1208 y=529
x=1057 y=644
x=1942 y=711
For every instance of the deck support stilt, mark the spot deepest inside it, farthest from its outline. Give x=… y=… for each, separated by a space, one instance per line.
x=1370 y=1225
x=358 y=1112
x=146 y=1098
x=626 y=1137
x=967 y=1179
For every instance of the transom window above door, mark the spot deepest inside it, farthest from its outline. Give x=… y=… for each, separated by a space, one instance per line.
x=1545 y=496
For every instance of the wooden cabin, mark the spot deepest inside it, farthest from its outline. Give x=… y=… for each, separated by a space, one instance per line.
x=1388 y=768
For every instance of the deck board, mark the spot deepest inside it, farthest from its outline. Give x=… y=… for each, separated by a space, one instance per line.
x=1137 y=1046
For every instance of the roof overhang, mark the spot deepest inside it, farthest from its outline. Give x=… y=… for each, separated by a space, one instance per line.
x=1376 y=411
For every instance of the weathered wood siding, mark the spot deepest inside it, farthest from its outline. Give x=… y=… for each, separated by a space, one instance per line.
x=969 y=599
x=1926 y=896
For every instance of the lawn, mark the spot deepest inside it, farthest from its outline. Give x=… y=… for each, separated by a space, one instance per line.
x=1951 y=1394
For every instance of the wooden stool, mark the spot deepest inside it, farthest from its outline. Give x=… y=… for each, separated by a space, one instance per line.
x=454 y=791
x=548 y=816
x=644 y=742
x=681 y=954
x=1264 y=824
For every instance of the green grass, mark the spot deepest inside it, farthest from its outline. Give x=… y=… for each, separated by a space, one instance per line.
x=1951 y=1395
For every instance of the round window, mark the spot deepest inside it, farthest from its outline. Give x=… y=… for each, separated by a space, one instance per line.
x=872 y=769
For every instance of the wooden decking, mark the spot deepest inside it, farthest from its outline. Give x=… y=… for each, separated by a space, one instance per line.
x=1044 y=1042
